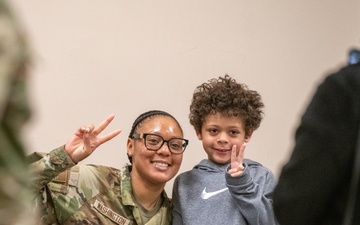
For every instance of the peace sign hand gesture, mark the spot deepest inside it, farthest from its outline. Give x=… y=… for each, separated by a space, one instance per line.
x=237 y=167
x=86 y=140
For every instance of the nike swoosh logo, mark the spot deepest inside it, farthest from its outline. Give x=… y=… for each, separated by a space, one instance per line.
x=206 y=195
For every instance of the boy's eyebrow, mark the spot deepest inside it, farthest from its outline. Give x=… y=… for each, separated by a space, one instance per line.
x=211 y=125
x=217 y=126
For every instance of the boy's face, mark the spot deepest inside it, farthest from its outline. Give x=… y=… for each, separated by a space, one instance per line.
x=218 y=135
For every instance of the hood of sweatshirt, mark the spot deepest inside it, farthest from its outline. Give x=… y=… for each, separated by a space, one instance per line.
x=211 y=166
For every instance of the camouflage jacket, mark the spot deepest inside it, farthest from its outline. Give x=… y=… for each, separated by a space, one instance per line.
x=14 y=113
x=87 y=194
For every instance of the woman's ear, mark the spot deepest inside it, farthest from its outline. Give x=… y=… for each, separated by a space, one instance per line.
x=130 y=146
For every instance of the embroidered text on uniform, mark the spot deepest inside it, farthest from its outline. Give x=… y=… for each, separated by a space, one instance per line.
x=110 y=213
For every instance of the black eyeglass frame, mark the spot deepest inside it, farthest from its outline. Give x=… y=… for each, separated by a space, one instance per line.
x=143 y=136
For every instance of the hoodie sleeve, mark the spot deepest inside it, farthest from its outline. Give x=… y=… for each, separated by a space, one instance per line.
x=252 y=192
x=176 y=213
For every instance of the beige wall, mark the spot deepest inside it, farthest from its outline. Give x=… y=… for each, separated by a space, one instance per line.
x=94 y=58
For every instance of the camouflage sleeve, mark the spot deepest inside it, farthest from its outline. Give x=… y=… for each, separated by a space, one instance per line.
x=46 y=167
x=15 y=110
x=49 y=166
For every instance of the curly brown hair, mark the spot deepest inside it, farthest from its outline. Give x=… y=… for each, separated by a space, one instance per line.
x=224 y=95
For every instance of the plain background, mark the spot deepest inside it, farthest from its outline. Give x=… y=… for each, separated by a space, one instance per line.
x=94 y=58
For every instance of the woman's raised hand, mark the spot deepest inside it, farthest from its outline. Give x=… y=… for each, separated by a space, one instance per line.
x=86 y=139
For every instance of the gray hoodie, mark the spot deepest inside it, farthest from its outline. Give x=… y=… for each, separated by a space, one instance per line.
x=207 y=194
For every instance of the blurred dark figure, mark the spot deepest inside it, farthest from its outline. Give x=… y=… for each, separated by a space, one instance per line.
x=354 y=56
x=14 y=112
x=313 y=187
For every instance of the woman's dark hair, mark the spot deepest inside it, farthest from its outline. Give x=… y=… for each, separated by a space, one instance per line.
x=140 y=119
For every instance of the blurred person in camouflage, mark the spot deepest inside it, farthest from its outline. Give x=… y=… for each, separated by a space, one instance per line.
x=91 y=194
x=14 y=112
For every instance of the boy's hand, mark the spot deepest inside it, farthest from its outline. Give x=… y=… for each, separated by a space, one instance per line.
x=237 y=167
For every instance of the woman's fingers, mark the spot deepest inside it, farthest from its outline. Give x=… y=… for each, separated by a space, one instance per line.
x=103 y=125
x=110 y=136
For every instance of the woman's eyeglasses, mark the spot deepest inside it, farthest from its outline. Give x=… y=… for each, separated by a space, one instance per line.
x=154 y=142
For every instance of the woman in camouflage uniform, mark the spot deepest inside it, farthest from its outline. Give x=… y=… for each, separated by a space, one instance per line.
x=92 y=194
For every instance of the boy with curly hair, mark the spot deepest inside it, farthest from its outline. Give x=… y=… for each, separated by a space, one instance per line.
x=225 y=188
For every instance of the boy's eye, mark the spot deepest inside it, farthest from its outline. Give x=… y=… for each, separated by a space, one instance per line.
x=212 y=131
x=234 y=132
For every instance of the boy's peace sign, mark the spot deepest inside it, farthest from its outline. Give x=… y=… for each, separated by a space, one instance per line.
x=236 y=166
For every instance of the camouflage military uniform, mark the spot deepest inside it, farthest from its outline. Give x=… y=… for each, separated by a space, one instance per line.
x=74 y=194
x=14 y=112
